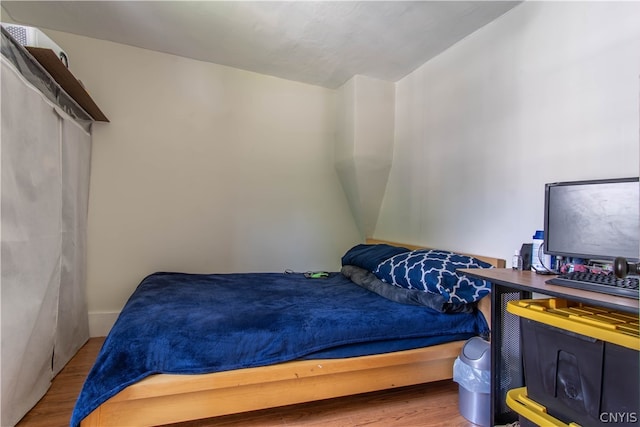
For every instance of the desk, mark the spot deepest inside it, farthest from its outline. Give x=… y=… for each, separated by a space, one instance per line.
x=506 y=361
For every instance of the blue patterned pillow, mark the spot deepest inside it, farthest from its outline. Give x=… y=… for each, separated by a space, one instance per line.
x=435 y=271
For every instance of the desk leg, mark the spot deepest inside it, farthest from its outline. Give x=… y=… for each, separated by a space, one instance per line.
x=506 y=361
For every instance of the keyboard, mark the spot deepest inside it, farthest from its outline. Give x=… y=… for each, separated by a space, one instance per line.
x=603 y=283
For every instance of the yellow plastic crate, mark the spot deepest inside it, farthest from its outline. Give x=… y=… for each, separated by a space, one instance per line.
x=518 y=401
x=601 y=323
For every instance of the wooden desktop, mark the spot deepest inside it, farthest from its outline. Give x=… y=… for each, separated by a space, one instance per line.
x=531 y=282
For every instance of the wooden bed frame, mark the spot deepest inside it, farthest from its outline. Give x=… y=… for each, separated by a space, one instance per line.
x=163 y=399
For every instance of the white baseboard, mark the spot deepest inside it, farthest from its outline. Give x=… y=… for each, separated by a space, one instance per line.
x=100 y=323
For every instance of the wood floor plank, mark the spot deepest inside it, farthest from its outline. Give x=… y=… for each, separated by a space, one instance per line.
x=427 y=405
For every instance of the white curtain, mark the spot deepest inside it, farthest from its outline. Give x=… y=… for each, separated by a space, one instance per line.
x=73 y=324
x=45 y=172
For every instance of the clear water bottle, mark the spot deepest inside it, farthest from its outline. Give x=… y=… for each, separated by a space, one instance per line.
x=516 y=261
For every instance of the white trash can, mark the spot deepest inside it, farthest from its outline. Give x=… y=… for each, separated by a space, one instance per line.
x=472 y=372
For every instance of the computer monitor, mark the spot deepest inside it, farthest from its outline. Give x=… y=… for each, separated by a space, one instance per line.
x=597 y=220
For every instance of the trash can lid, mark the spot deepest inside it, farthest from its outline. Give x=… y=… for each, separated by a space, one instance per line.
x=476 y=352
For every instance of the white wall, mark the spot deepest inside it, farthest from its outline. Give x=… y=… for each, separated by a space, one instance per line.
x=364 y=145
x=204 y=168
x=548 y=92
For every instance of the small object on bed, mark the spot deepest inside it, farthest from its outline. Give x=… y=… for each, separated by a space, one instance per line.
x=317 y=274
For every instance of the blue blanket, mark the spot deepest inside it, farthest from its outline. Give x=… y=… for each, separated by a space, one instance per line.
x=196 y=323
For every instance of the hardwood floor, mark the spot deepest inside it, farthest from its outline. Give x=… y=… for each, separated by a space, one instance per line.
x=434 y=404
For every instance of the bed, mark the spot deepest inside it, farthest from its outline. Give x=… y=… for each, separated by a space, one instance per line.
x=201 y=384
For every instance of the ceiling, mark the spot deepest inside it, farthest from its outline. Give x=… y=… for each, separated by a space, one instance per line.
x=323 y=43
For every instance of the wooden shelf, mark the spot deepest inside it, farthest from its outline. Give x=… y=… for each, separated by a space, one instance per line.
x=54 y=66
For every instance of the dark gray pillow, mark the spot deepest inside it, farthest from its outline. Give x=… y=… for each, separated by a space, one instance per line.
x=368 y=280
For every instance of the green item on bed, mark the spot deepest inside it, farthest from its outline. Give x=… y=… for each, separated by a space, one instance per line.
x=316 y=274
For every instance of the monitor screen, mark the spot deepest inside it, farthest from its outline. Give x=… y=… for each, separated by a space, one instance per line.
x=593 y=219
